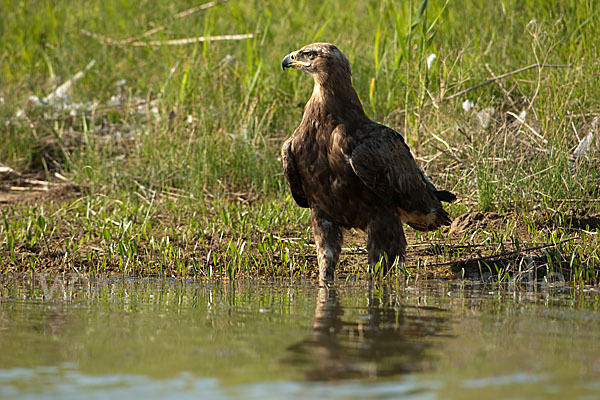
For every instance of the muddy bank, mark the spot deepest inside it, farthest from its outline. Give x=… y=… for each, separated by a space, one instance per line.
x=478 y=245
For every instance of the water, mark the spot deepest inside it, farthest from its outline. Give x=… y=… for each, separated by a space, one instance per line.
x=254 y=340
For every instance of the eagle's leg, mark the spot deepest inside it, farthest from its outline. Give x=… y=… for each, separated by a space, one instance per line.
x=385 y=241
x=328 y=239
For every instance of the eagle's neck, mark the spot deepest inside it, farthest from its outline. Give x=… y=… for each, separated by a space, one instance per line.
x=336 y=98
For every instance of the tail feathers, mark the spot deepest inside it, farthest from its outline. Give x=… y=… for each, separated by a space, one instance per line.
x=427 y=222
x=444 y=195
x=443 y=218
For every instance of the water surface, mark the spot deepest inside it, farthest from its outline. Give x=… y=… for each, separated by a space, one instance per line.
x=116 y=338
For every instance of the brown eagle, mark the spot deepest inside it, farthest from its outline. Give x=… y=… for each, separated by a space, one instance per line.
x=351 y=171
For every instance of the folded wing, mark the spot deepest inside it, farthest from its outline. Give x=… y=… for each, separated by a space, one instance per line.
x=383 y=162
x=291 y=173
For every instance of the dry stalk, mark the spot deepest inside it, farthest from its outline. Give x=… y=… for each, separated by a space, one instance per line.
x=201 y=7
x=506 y=92
x=506 y=254
x=479 y=85
x=135 y=40
x=172 y=42
x=525 y=124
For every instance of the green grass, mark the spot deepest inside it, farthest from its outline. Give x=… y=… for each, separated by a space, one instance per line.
x=195 y=187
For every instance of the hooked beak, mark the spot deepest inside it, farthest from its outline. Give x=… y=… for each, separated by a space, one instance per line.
x=291 y=61
x=287 y=62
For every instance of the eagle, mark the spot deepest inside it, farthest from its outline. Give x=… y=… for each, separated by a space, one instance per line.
x=351 y=171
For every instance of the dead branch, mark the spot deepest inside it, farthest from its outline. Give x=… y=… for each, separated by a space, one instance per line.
x=198 y=8
x=506 y=75
x=506 y=92
x=141 y=36
x=179 y=15
x=507 y=254
x=104 y=39
x=179 y=42
x=484 y=83
x=173 y=42
x=136 y=39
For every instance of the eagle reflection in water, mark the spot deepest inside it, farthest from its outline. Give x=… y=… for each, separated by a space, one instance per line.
x=386 y=339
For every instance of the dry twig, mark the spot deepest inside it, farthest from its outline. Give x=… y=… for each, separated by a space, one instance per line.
x=484 y=83
x=172 y=42
x=135 y=40
x=179 y=42
x=198 y=8
x=506 y=254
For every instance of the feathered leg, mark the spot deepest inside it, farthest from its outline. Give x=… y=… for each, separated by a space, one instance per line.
x=328 y=239
x=385 y=241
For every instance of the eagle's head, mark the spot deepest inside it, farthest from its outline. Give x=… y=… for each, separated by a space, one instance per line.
x=320 y=60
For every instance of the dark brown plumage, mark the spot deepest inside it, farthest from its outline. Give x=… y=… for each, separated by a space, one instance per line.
x=352 y=172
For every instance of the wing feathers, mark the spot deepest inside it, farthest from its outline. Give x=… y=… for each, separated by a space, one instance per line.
x=383 y=162
x=291 y=173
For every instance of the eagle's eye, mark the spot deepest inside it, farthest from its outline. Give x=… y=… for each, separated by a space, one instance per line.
x=311 y=55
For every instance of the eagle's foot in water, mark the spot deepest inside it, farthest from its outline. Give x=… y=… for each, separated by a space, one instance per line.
x=328 y=240
x=386 y=243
